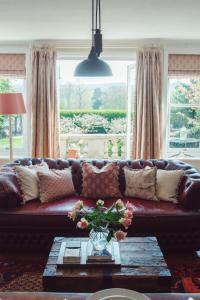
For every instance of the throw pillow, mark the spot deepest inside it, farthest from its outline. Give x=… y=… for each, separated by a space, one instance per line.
x=28 y=180
x=168 y=182
x=141 y=183
x=100 y=183
x=55 y=184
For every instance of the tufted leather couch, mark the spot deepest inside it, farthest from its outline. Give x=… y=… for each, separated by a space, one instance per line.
x=33 y=226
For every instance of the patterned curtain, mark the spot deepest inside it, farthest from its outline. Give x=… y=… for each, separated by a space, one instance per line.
x=147 y=112
x=45 y=126
x=183 y=65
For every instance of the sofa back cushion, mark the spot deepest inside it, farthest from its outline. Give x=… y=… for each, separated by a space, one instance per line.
x=101 y=183
x=190 y=186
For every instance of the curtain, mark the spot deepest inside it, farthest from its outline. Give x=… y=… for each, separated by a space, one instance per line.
x=45 y=124
x=148 y=102
x=183 y=65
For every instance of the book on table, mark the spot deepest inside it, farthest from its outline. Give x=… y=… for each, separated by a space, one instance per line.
x=71 y=255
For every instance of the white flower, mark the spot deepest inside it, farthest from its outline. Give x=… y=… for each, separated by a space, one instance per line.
x=100 y=202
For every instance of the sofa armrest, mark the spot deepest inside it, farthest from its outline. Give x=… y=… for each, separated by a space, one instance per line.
x=10 y=194
x=190 y=192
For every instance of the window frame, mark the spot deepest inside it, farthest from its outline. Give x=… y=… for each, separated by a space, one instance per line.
x=173 y=152
x=130 y=97
x=22 y=49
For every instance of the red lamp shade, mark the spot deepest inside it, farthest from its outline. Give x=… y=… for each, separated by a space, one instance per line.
x=12 y=104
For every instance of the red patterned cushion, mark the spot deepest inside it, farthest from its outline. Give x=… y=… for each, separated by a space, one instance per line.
x=100 y=183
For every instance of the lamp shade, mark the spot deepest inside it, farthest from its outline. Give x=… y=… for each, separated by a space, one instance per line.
x=12 y=104
x=92 y=67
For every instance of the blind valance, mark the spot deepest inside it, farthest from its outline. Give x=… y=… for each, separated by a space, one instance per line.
x=12 y=64
x=183 y=65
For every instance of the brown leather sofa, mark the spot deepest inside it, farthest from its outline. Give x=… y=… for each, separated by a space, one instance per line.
x=33 y=226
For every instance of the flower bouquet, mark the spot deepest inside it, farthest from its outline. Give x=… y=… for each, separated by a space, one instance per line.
x=103 y=223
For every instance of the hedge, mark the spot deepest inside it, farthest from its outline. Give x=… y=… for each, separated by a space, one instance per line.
x=108 y=114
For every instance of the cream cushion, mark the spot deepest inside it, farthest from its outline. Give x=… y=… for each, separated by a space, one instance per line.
x=141 y=183
x=28 y=180
x=55 y=184
x=168 y=183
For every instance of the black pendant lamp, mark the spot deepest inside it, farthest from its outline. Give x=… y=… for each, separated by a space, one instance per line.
x=93 y=66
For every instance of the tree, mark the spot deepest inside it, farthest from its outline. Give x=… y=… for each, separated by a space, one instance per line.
x=189 y=117
x=5 y=86
x=97 y=100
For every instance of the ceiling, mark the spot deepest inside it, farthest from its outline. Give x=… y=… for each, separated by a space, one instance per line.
x=122 y=19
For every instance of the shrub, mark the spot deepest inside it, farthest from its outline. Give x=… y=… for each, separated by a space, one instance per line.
x=92 y=123
x=108 y=114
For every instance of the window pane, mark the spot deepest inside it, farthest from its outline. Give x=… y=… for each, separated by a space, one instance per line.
x=184 y=127
x=93 y=106
x=7 y=85
x=185 y=91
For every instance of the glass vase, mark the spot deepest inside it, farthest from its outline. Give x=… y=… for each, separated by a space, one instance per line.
x=98 y=238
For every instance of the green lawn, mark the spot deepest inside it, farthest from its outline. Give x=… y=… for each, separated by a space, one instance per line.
x=17 y=142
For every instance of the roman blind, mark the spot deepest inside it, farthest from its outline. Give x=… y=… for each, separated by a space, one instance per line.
x=183 y=65
x=12 y=64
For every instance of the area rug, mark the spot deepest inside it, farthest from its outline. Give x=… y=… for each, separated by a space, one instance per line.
x=23 y=272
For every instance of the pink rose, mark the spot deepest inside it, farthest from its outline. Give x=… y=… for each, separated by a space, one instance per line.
x=120 y=235
x=126 y=222
x=78 y=205
x=129 y=206
x=72 y=215
x=128 y=214
x=82 y=224
x=119 y=204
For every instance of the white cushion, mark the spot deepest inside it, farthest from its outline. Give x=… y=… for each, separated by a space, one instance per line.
x=141 y=183
x=168 y=183
x=28 y=180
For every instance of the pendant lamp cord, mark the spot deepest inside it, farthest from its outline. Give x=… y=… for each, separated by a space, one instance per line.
x=98 y=14
x=93 y=45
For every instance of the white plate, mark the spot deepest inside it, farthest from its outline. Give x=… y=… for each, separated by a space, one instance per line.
x=117 y=294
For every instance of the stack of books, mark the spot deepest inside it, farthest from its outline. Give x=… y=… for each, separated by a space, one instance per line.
x=72 y=253
x=100 y=256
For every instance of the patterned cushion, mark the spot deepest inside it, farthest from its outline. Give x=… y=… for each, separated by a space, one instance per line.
x=28 y=180
x=168 y=183
x=55 y=184
x=141 y=183
x=100 y=183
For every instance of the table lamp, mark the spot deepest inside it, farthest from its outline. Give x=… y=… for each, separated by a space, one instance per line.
x=11 y=104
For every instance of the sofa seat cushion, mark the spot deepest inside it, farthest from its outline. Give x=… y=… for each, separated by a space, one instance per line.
x=149 y=216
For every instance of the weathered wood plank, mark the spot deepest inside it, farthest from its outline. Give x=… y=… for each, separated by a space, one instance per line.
x=143 y=269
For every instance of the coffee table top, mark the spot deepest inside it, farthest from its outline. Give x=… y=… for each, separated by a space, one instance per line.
x=143 y=269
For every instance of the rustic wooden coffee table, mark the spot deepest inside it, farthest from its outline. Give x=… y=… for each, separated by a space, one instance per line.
x=143 y=269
